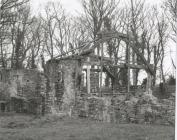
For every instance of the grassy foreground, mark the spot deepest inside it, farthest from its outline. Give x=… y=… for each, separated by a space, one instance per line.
x=21 y=127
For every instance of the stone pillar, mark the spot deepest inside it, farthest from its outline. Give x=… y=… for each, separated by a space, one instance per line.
x=70 y=90
x=149 y=82
x=88 y=79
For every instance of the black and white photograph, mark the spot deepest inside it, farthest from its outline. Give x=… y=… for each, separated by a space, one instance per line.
x=88 y=69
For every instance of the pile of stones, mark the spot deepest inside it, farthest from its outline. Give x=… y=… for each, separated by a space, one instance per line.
x=95 y=108
x=128 y=108
x=144 y=108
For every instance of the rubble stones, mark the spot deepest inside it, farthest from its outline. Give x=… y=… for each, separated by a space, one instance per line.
x=131 y=109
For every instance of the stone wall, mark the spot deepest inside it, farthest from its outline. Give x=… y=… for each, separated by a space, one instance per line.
x=124 y=108
x=94 y=82
x=65 y=76
x=23 y=90
x=164 y=93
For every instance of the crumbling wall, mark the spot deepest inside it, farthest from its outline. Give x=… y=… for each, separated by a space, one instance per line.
x=69 y=84
x=65 y=77
x=23 y=90
x=127 y=108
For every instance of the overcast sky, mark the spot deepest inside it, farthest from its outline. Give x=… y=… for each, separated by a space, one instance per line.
x=72 y=7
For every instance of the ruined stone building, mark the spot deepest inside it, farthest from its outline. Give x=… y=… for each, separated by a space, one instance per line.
x=75 y=84
x=63 y=80
x=78 y=86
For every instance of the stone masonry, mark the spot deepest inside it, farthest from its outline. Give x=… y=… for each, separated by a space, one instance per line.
x=22 y=90
x=65 y=77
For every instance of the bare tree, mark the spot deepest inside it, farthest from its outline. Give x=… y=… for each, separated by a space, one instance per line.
x=170 y=7
x=63 y=29
x=162 y=28
x=57 y=29
x=149 y=41
x=19 y=37
x=114 y=45
x=8 y=16
x=49 y=26
x=94 y=14
x=146 y=33
x=36 y=40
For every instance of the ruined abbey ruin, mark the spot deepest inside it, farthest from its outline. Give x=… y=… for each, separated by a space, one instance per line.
x=74 y=84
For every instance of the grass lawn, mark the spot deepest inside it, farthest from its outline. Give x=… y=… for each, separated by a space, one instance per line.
x=18 y=127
